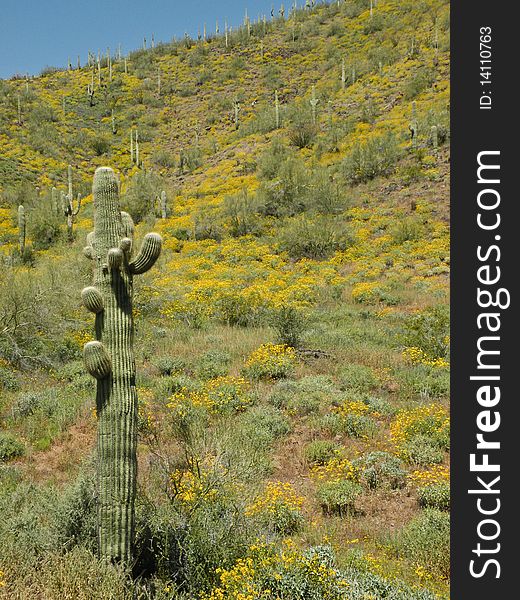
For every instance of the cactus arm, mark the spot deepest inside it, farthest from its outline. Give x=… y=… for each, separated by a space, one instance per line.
x=128 y=224
x=115 y=258
x=148 y=254
x=88 y=250
x=97 y=360
x=92 y=299
x=75 y=212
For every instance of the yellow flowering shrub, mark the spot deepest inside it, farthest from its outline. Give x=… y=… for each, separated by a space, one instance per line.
x=436 y=474
x=278 y=506
x=336 y=469
x=218 y=395
x=417 y=356
x=269 y=573
x=200 y=481
x=271 y=361
x=430 y=423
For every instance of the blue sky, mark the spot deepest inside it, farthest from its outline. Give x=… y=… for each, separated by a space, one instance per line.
x=39 y=33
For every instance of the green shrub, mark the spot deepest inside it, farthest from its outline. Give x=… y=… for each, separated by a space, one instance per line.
x=169 y=365
x=426 y=541
x=303 y=405
x=302 y=131
x=74 y=372
x=214 y=363
x=8 y=380
x=310 y=391
x=435 y=495
x=43 y=227
x=358 y=426
x=290 y=324
x=240 y=210
x=284 y=193
x=265 y=424
x=381 y=469
x=339 y=497
x=26 y=404
x=331 y=423
x=409 y=229
x=377 y=156
x=316 y=238
x=190 y=159
x=302 y=134
x=357 y=377
x=422 y=451
x=421 y=80
x=379 y=406
x=424 y=381
x=429 y=330
x=164 y=159
x=10 y=447
x=320 y=452
x=76 y=512
x=140 y=193
x=170 y=384
x=100 y=144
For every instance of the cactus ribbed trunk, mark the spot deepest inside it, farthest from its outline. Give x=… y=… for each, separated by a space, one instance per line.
x=116 y=398
x=111 y=361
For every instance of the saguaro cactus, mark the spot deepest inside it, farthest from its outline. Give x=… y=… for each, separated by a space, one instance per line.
x=413 y=127
x=21 y=229
x=314 y=103
x=237 y=109
x=164 y=205
x=67 y=202
x=435 y=138
x=110 y=361
x=54 y=201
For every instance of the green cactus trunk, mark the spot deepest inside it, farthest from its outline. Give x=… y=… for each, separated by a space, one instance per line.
x=110 y=360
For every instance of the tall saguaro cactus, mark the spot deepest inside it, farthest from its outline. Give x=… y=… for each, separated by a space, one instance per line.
x=110 y=360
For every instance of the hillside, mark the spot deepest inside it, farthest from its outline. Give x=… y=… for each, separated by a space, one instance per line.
x=292 y=341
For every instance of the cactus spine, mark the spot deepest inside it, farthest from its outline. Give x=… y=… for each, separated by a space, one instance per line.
x=21 y=229
x=110 y=360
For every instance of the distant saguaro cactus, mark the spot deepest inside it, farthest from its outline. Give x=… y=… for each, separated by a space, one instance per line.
x=164 y=205
x=236 y=108
x=435 y=137
x=110 y=360
x=54 y=201
x=314 y=103
x=414 y=127
x=67 y=203
x=21 y=229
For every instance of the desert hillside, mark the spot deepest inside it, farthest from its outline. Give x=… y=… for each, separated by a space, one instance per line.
x=292 y=340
